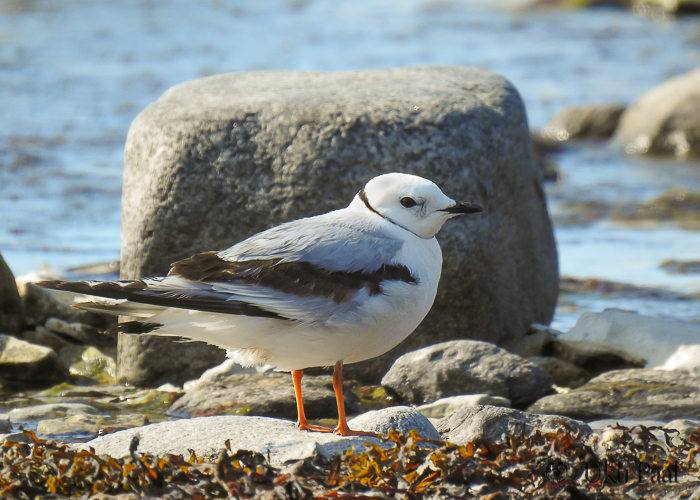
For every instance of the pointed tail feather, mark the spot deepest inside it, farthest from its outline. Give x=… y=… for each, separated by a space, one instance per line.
x=139 y=327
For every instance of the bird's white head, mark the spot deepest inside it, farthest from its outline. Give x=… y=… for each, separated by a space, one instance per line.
x=409 y=201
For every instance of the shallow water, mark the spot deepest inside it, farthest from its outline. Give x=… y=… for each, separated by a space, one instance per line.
x=75 y=73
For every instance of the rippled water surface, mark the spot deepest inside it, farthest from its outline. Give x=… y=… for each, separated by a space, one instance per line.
x=75 y=73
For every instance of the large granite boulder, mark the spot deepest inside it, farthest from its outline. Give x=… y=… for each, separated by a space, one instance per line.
x=665 y=120
x=11 y=318
x=216 y=160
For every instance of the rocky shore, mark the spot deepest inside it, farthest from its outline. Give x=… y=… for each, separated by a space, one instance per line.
x=486 y=397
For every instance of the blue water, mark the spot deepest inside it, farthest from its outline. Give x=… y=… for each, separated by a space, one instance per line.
x=75 y=73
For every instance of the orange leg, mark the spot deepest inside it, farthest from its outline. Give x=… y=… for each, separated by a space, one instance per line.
x=343 y=428
x=302 y=423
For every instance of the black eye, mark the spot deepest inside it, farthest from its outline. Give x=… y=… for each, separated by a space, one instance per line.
x=407 y=202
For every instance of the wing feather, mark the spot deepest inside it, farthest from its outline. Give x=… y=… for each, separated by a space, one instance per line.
x=308 y=270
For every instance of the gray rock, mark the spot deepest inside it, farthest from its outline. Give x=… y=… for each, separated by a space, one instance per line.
x=275 y=146
x=465 y=367
x=686 y=357
x=41 y=304
x=82 y=332
x=206 y=436
x=88 y=362
x=5 y=424
x=491 y=422
x=150 y=361
x=54 y=410
x=445 y=406
x=22 y=362
x=86 y=424
x=534 y=343
x=11 y=318
x=33 y=277
x=402 y=419
x=684 y=426
x=17 y=437
x=593 y=357
x=659 y=9
x=47 y=338
x=220 y=372
x=640 y=393
x=563 y=373
x=264 y=394
x=665 y=120
x=588 y=121
x=639 y=337
x=675 y=266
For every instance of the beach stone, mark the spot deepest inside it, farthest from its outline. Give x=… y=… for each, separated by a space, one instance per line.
x=646 y=338
x=637 y=393
x=587 y=121
x=33 y=277
x=264 y=394
x=82 y=332
x=686 y=357
x=218 y=159
x=5 y=424
x=534 y=343
x=491 y=422
x=684 y=426
x=465 y=367
x=86 y=424
x=219 y=372
x=206 y=437
x=563 y=373
x=594 y=358
x=674 y=266
x=150 y=361
x=445 y=406
x=27 y=363
x=11 y=316
x=43 y=336
x=17 y=437
x=53 y=410
x=665 y=120
x=402 y=419
x=41 y=304
x=673 y=7
x=89 y=363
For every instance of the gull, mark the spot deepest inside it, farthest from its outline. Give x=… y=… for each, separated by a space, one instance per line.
x=328 y=290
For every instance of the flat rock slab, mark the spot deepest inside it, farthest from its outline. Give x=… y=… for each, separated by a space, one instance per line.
x=491 y=422
x=463 y=367
x=264 y=394
x=218 y=159
x=206 y=436
x=53 y=410
x=640 y=393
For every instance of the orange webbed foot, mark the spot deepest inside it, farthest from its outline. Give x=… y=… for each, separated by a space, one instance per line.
x=313 y=428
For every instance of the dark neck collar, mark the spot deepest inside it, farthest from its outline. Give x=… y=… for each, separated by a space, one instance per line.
x=363 y=197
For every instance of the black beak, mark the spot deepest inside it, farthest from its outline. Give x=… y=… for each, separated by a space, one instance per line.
x=462 y=207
